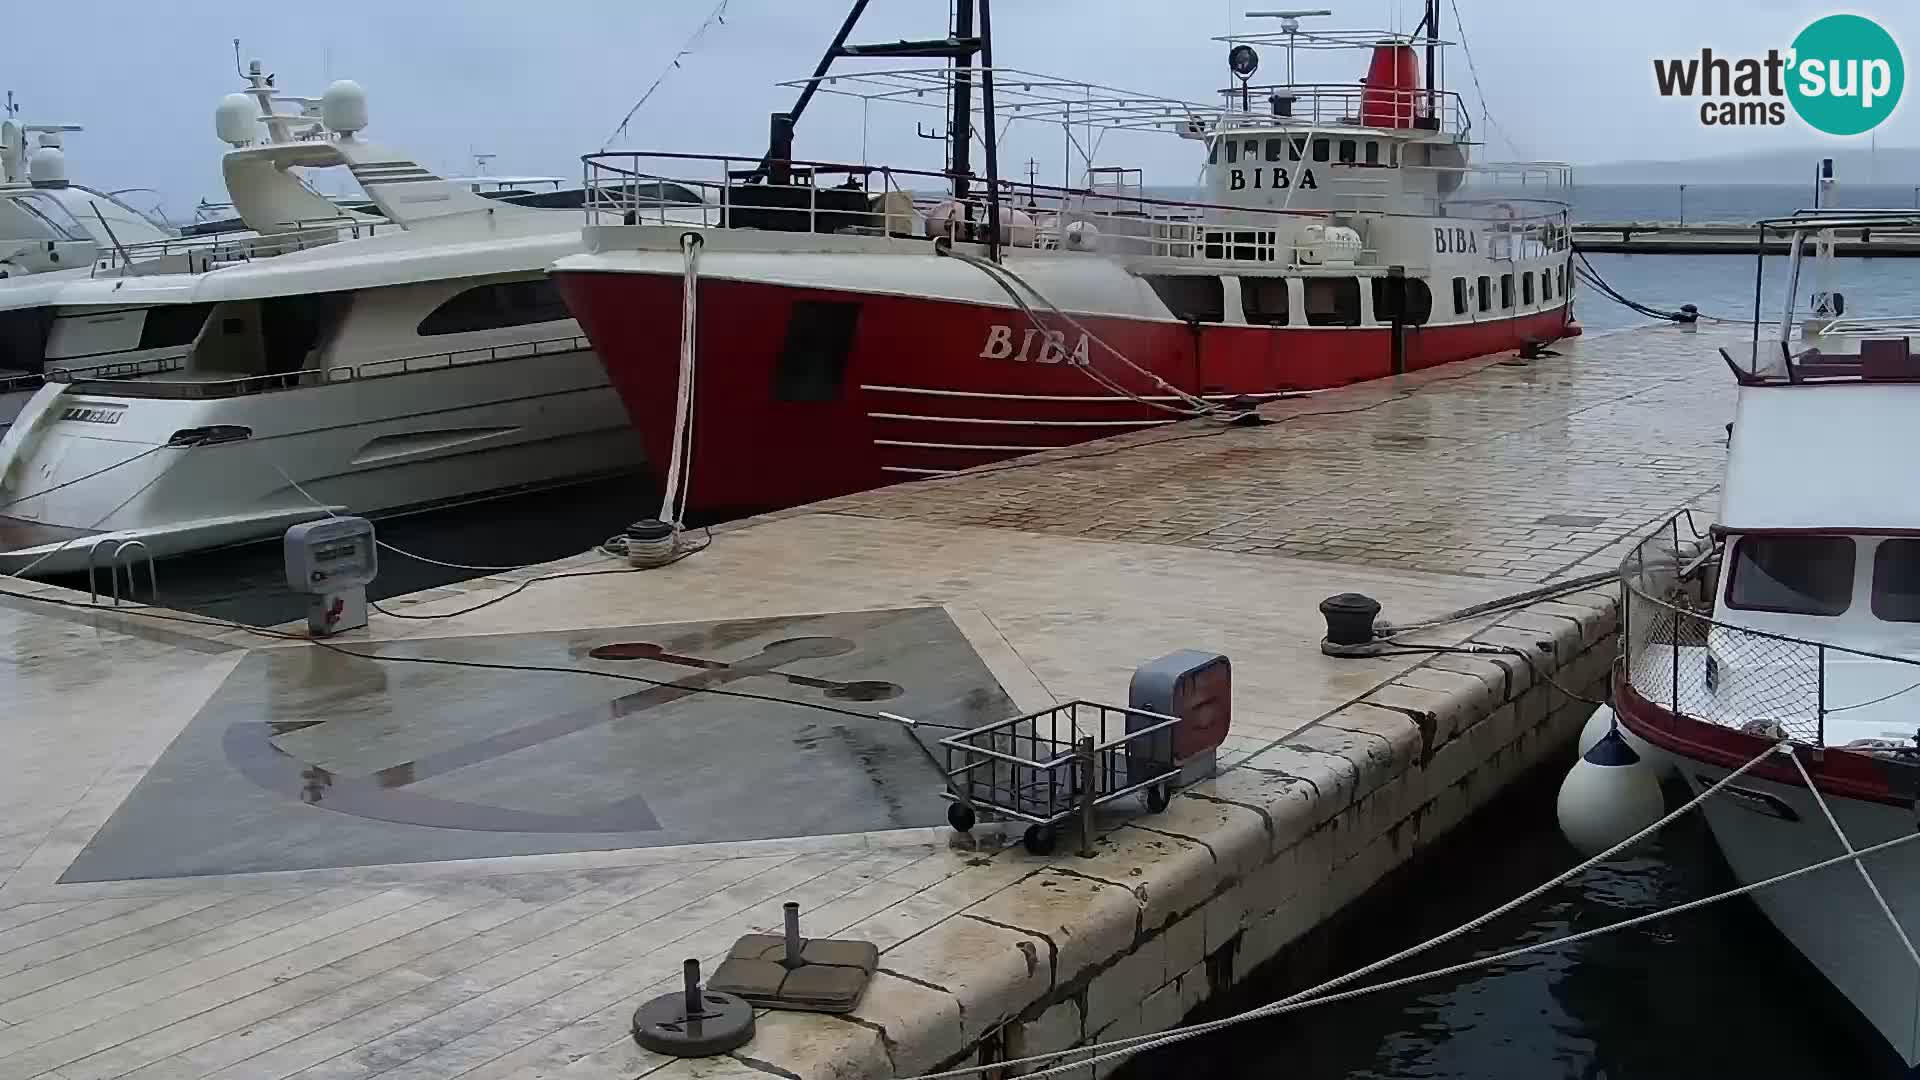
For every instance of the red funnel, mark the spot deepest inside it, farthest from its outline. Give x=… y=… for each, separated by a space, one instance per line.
x=1392 y=86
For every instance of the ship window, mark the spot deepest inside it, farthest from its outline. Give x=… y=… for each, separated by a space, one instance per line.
x=496 y=307
x=1485 y=292
x=172 y=324
x=813 y=362
x=1264 y=300
x=1407 y=298
x=1797 y=574
x=1233 y=151
x=295 y=328
x=1526 y=288
x=1213 y=152
x=1332 y=301
x=1546 y=284
x=1298 y=149
x=1276 y=148
x=1191 y=297
x=1373 y=152
x=1349 y=151
x=1896 y=580
x=1506 y=290
x=1322 y=149
x=1253 y=150
x=23 y=338
x=1459 y=296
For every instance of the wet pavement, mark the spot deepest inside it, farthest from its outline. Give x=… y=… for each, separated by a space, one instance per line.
x=225 y=855
x=418 y=762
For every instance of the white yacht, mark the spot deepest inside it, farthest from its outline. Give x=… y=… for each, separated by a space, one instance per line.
x=1790 y=628
x=48 y=223
x=429 y=362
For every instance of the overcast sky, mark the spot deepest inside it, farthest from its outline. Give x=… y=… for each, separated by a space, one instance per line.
x=540 y=83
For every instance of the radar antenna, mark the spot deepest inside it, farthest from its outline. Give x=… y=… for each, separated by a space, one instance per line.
x=1290 y=26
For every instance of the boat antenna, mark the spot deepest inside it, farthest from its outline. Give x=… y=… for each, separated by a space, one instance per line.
x=117 y=246
x=1290 y=26
x=717 y=16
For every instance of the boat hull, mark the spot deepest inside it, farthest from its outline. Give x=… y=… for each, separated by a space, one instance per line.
x=371 y=446
x=795 y=403
x=1768 y=823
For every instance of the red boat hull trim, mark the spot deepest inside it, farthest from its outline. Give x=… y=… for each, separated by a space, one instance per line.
x=804 y=394
x=1838 y=773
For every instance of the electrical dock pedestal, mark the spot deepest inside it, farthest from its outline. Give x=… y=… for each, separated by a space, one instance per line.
x=332 y=561
x=473 y=846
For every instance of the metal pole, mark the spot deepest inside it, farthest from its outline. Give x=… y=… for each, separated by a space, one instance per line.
x=1820 y=693
x=1683 y=204
x=993 y=133
x=1674 y=699
x=691 y=973
x=1086 y=755
x=1396 y=296
x=1433 y=38
x=792 y=911
x=960 y=127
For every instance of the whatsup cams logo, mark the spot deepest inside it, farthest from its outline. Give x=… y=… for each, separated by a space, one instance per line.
x=1842 y=75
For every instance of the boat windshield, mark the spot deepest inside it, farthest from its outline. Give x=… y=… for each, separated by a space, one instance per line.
x=28 y=216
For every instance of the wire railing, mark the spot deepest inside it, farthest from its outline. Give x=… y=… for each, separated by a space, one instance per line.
x=1680 y=659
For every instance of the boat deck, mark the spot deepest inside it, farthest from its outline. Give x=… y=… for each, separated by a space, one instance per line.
x=229 y=855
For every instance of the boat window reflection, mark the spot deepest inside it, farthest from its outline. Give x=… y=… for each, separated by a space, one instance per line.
x=1800 y=575
x=1896 y=580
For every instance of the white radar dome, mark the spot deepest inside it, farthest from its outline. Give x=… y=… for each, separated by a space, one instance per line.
x=343 y=108
x=233 y=119
x=47 y=167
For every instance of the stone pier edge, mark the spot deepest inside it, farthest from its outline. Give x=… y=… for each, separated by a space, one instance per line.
x=1177 y=907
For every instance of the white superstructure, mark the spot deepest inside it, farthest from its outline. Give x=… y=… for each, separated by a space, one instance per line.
x=410 y=359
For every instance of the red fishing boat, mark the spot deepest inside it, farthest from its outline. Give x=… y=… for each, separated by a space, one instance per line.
x=851 y=330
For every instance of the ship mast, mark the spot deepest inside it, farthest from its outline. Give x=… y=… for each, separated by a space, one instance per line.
x=958 y=47
x=1432 y=21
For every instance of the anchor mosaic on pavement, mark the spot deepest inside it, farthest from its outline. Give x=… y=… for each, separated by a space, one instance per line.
x=310 y=758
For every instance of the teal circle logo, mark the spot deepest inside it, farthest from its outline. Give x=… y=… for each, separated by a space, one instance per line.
x=1846 y=75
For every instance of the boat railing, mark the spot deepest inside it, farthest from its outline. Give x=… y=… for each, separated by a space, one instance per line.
x=118 y=369
x=203 y=252
x=86 y=381
x=1346 y=105
x=1116 y=218
x=1681 y=660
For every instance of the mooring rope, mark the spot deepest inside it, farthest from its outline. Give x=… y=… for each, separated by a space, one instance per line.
x=1872 y=886
x=680 y=463
x=1117 y=1048
x=1196 y=406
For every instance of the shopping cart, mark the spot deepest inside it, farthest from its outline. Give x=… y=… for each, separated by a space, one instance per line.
x=1043 y=767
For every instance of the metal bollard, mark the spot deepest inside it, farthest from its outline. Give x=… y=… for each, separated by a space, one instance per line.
x=691 y=971
x=792 y=911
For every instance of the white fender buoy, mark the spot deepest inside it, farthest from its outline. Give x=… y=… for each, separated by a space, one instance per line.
x=1610 y=794
x=1602 y=721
